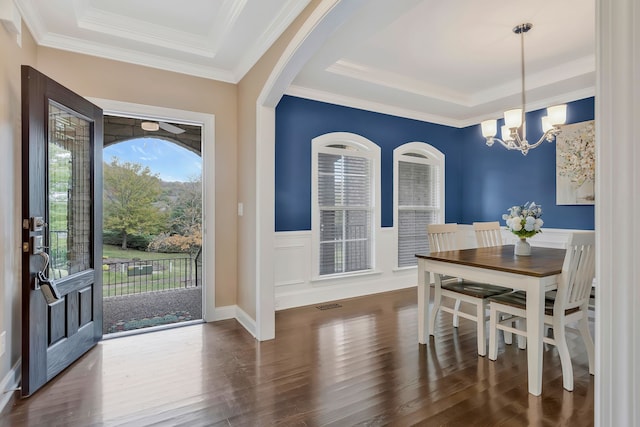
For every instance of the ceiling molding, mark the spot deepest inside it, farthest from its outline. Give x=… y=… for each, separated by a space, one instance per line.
x=140 y=31
x=135 y=57
x=32 y=18
x=463 y=81
x=398 y=81
x=347 y=101
x=225 y=22
x=549 y=76
x=537 y=105
x=207 y=47
x=277 y=26
x=391 y=80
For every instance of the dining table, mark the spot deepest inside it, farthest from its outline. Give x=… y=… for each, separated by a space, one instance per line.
x=497 y=265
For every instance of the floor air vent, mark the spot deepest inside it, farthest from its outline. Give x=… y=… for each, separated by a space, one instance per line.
x=328 y=306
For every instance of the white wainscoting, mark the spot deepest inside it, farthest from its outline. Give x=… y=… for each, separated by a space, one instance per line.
x=294 y=286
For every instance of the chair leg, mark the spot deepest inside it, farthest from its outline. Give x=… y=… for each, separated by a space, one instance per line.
x=493 y=332
x=508 y=337
x=583 y=326
x=481 y=326
x=563 y=350
x=456 y=309
x=522 y=339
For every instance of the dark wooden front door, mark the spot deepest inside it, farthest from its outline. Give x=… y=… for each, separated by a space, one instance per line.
x=62 y=222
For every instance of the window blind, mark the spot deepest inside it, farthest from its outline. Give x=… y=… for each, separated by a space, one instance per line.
x=418 y=205
x=344 y=199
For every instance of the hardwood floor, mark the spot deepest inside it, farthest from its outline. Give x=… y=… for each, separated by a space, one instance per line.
x=358 y=364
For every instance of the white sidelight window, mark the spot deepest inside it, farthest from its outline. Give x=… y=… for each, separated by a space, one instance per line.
x=418 y=198
x=345 y=203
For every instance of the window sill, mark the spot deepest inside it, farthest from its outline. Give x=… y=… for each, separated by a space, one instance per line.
x=345 y=275
x=401 y=269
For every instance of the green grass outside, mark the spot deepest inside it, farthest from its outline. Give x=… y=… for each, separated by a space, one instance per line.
x=112 y=251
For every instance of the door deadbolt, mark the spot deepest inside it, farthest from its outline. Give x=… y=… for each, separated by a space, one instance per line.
x=36 y=245
x=37 y=223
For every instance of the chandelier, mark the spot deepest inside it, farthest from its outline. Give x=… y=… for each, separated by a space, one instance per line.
x=514 y=135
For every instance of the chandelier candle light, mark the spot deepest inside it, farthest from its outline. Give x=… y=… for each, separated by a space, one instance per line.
x=514 y=136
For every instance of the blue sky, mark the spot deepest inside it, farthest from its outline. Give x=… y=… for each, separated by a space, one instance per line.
x=170 y=161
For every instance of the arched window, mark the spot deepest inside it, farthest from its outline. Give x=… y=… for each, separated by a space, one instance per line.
x=345 y=198
x=418 y=175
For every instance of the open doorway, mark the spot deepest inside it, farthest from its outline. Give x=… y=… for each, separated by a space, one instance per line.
x=152 y=241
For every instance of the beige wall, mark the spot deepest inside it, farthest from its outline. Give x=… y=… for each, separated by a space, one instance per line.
x=235 y=154
x=249 y=89
x=13 y=57
x=102 y=78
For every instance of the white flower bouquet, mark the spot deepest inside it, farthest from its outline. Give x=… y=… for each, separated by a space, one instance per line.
x=524 y=221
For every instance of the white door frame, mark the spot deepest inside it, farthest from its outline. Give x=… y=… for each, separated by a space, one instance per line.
x=207 y=121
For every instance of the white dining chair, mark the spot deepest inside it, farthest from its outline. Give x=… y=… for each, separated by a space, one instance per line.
x=488 y=234
x=443 y=237
x=568 y=304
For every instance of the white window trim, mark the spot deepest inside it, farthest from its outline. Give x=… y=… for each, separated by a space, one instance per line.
x=365 y=148
x=434 y=156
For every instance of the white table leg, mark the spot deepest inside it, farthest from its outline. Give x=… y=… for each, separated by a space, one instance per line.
x=437 y=300
x=535 y=331
x=423 y=303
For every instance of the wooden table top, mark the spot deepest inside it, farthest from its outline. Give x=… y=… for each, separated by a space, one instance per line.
x=541 y=263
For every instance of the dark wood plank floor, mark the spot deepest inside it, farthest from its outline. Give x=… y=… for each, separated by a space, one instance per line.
x=358 y=364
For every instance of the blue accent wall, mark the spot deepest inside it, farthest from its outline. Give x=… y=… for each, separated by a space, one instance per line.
x=496 y=178
x=481 y=182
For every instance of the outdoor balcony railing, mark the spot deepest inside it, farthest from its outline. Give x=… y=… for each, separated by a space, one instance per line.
x=134 y=277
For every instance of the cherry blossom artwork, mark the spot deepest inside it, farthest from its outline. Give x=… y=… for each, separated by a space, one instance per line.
x=575 y=164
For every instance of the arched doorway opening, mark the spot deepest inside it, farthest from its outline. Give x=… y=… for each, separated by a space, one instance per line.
x=152 y=237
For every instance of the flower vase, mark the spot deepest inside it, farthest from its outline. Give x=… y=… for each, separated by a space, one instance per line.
x=523 y=248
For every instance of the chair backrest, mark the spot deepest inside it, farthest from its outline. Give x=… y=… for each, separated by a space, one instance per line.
x=578 y=270
x=442 y=237
x=488 y=234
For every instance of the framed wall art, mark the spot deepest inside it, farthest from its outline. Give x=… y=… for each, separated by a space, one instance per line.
x=575 y=164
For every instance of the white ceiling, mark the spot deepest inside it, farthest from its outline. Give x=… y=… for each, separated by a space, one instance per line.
x=454 y=62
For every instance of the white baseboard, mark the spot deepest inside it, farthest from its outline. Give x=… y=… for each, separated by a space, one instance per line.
x=9 y=384
x=246 y=321
x=224 y=313
x=235 y=312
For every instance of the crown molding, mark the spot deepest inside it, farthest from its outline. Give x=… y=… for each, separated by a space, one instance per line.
x=135 y=57
x=31 y=18
x=391 y=80
x=352 y=102
x=224 y=22
x=287 y=14
x=207 y=47
x=136 y=30
x=397 y=81
x=543 y=103
x=549 y=76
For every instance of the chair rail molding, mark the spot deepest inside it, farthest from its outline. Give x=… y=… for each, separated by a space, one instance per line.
x=295 y=286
